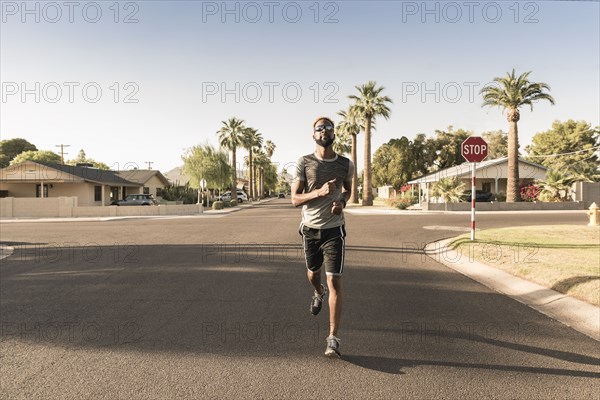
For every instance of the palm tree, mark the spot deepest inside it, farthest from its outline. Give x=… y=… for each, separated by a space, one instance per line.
x=369 y=105
x=512 y=93
x=449 y=189
x=260 y=161
x=251 y=140
x=350 y=124
x=230 y=137
x=269 y=148
x=556 y=186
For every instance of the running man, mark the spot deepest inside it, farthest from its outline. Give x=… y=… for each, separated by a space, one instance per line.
x=322 y=187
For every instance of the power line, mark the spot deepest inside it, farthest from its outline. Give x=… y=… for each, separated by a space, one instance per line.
x=62 y=151
x=564 y=154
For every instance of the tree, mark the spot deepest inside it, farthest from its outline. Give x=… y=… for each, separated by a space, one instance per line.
x=552 y=147
x=251 y=140
x=269 y=148
x=206 y=162
x=10 y=148
x=449 y=189
x=512 y=93
x=350 y=125
x=44 y=156
x=497 y=144
x=83 y=159
x=447 y=147
x=343 y=142
x=555 y=187
x=230 y=137
x=369 y=105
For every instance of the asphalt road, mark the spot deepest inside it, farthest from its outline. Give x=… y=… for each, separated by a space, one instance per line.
x=218 y=307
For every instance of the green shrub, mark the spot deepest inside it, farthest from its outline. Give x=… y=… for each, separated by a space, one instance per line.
x=217 y=205
x=233 y=203
x=500 y=196
x=401 y=203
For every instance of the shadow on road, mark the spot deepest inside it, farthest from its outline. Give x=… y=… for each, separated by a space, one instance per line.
x=396 y=366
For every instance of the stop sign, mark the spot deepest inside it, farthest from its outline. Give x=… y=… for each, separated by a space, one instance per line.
x=474 y=149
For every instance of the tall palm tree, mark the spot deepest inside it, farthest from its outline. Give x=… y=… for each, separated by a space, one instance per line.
x=260 y=161
x=511 y=93
x=351 y=125
x=230 y=137
x=369 y=105
x=269 y=148
x=251 y=140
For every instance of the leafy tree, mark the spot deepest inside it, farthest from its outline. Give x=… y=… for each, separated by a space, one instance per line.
x=231 y=135
x=511 y=93
x=393 y=163
x=283 y=182
x=446 y=145
x=10 y=148
x=497 y=144
x=369 y=105
x=449 y=189
x=576 y=137
x=206 y=162
x=45 y=156
x=83 y=159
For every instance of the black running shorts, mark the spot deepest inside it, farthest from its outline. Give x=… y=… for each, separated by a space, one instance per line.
x=324 y=247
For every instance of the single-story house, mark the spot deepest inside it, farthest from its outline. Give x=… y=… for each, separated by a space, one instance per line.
x=491 y=175
x=91 y=186
x=151 y=182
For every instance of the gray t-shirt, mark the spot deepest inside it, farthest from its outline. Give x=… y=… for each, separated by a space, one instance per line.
x=315 y=172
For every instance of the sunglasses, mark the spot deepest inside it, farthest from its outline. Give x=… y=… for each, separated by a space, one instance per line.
x=320 y=128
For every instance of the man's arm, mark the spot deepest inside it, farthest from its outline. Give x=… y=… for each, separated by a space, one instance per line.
x=340 y=204
x=299 y=198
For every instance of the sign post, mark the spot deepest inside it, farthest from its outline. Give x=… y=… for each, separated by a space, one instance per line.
x=203 y=186
x=474 y=150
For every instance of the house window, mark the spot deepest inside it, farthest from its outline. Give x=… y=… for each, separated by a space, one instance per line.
x=97 y=193
x=38 y=190
x=487 y=187
x=146 y=190
x=159 y=192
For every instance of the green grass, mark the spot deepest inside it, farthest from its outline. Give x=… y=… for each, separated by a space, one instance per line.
x=565 y=258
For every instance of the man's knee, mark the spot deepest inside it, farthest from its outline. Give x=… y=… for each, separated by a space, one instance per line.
x=335 y=283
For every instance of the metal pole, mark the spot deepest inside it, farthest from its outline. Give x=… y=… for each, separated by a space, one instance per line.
x=473 y=200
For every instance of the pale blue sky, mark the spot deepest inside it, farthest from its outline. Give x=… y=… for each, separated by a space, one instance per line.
x=177 y=49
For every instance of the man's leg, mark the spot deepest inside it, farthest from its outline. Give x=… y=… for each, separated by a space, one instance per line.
x=334 y=282
x=315 y=279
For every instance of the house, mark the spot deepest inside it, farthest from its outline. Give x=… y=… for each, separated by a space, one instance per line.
x=150 y=181
x=91 y=186
x=491 y=176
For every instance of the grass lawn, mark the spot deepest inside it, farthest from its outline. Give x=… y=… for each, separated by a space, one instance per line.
x=565 y=258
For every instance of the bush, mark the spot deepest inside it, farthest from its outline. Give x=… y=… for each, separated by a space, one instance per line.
x=401 y=203
x=217 y=205
x=233 y=203
x=530 y=192
x=500 y=196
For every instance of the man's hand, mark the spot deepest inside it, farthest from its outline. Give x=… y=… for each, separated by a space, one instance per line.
x=337 y=207
x=328 y=187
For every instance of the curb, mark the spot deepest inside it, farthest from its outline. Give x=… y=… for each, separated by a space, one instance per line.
x=577 y=314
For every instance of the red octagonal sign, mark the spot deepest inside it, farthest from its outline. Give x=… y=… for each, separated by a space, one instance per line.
x=474 y=149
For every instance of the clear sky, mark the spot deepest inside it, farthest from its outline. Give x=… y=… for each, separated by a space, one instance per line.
x=139 y=81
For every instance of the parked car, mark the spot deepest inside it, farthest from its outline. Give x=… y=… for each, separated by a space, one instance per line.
x=480 y=196
x=241 y=196
x=281 y=195
x=135 y=200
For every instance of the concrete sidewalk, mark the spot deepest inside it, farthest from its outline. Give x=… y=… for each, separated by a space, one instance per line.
x=577 y=314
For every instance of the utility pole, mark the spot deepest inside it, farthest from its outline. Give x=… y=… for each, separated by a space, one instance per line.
x=62 y=151
x=149 y=164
